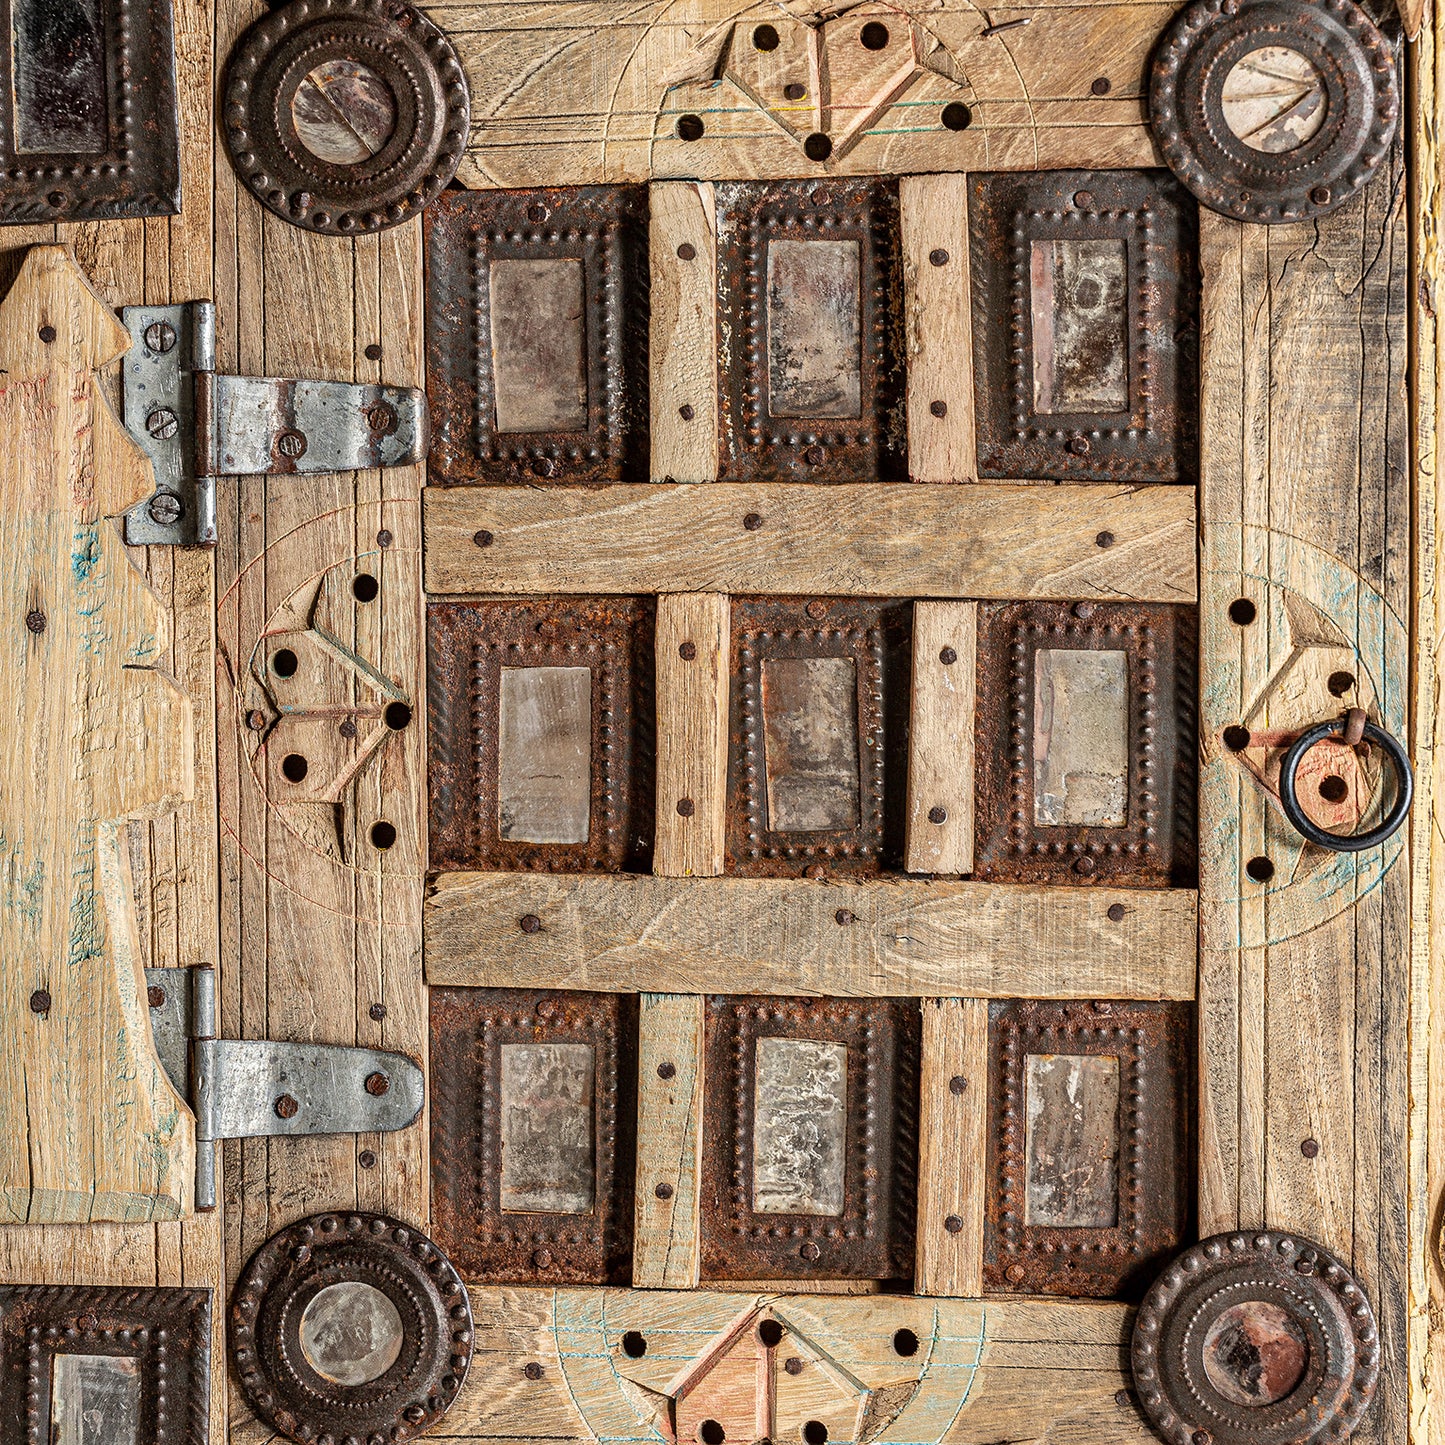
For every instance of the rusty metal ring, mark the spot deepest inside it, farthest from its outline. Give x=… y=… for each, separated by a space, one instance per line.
x=392 y=104
x=394 y=1380
x=1353 y=66
x=1345 y=842
x=1255 y=1339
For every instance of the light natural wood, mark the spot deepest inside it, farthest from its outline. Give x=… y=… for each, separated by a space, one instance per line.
x=682 y=347
x=940 y=738
x=692 y=733
x=97 y=734
x=867 y=539
x=939 y=318
x=665 y=1242
x=743 y=935
x=952 y=1147
x=545 y=114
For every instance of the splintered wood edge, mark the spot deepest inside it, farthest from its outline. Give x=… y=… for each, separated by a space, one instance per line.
x=877 y=939
x=989 y=540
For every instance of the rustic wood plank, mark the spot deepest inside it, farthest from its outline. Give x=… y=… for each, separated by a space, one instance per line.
x=952 y=1147
x=940 y=738
x=682 y=347
x=691 y=660
x=994 y=540
x=885 y=938
x=939 y=320
x=665 y=1242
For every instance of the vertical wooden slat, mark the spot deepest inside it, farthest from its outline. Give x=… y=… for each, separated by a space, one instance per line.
x=683 y=340
x=665 y=1247
x=939 y=328
x=952 y=1147
x=940 y=738
x=692 y=733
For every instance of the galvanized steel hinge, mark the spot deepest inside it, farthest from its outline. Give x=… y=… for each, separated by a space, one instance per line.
x=195 y=425
x=259 y=1088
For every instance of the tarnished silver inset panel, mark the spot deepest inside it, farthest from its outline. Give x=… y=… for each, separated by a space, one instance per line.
x=59 y=74
x=549 y=1158
x=810 y=723
x=544 y=754
x=95 y=1400
x=343 y=112
x=1080 y=302
x=1081 y=737
x=351 y=1333
x=539 y=344
x=814 y=311
x=1071 y=1110
x=800 y=1121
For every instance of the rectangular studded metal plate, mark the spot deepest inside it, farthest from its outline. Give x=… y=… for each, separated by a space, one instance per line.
x=541 y=734
x=1090 y=1145
x=536 y=335
x=1085 y=329
x=1085 y=743
x=533 y=1120
x=810 y=1138
x=810 y=331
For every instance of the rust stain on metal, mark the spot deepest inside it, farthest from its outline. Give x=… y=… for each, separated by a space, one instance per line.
x=537 y=335
x=533 y=1116
x=810 y=1139
x=1090 y=1155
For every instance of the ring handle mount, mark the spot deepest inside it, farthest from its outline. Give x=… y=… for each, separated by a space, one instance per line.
x=1345 y=842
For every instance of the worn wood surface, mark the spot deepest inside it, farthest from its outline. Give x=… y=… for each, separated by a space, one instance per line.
x=581 y=93
x=884 y=938
x=866 y=539
x=692 y=679
x=940 y=738
x=952 y=1145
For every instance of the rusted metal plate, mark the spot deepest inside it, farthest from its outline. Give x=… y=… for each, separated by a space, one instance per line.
x=1085 y=333
x=88 y=121
x=533 y=1120
x=536 y=322
x=541 y=734
x=810 y=1138
x=817 y=771
x=1085 y=743
x=86 y=1365
x=810 y=331
x=1090 y=1152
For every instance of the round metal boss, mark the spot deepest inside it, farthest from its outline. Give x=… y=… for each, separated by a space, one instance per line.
x=1255 y=1339
x=1345 y=842
x=349 y=1327
x=1273 y=110
x=345 y=116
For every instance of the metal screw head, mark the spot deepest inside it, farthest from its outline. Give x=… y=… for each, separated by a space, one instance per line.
x=537 y=213
x=686 y=412
x=1116 y=912
x=1083 y=199
x=160 y=336
x=347 y=729
x=938 y=408
x=687 y=651
x=255 y=719
x=1079 y=446
x=542 y=1258
x=953 y=1224
x=938 y=815
x=809 y=1251
x=843 y=917
x=483 y=538
x=815 y=871
x=161 y=422
x=1201 y=1437
x=1309 y=1148
x=47 y=334
x=545 y=467
x=291 y=443
x=753 y=521
x=377 y=1084
x=1084 y=865
x=35 y=620
x=685 y=807
x=156 y=996
x=546 y=1009
x=286 y=1107
x=373 y=352
x=957 y=1084
x=367 y=1159
x=938 y=256
x=687 y=251
x=377 y=1011
x=165 y=509
x=1101 y=86
x=1320 y=195
x=1104 y=539
x=793 y=1365
x=383 y=538
x=794 y=91
x=666 y=1070
x=1015 y=1273
x=814 y=456
x=1122 y=1397
x=530 y=923
x=1083 y=610
x=381 y=417
x=947 y=656
x=663 y=1191
x=816 y=610
x=40 y=1001
x=532 y=1370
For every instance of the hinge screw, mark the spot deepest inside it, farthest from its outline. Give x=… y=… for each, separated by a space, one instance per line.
x=286 y=1107
x=291 y=444
x=161 y=423
x=377 y=1084
x=160 y=336
x=165 y=508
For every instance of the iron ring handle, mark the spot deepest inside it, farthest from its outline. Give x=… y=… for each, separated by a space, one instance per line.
x=1345 y=842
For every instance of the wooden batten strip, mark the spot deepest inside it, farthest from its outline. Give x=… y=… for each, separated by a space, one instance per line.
x=939 y=320
x=683 y=336
x=993 y=540
x=692 y=736
x=952 y=1147
x=665 y=1244
x=940 y=738
x=876 y=939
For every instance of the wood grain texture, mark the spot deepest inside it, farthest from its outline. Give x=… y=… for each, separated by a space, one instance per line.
x=692 y=678
x=952 y=1147
x=98 y=734
x=939 y=321
x=541 y=116
x=665 y=1241
x=940 y=738
x=995 y=540
x=682 y=343
x=875 y=939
